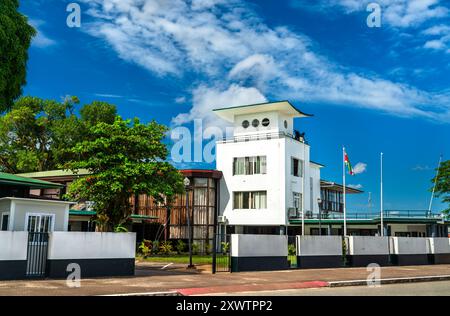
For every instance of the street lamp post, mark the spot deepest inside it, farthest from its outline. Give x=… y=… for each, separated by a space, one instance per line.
x=186 y=183
x=319 y=202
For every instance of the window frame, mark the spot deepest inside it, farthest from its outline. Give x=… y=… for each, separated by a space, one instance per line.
x=249 y=200
x=2 y=215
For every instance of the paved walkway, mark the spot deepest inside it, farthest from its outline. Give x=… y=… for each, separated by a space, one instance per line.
x=151 y=278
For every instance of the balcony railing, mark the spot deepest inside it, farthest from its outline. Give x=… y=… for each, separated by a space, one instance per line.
x=411 y=214
x=261 y=136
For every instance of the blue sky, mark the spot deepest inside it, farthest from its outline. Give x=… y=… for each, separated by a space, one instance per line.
x=370 y=89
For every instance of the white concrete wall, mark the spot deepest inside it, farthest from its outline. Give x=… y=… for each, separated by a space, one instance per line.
x=278 y=181
x=13 y=245
x=319 y=245
x=259 y=245
x=20 y=209
x=273 y=182
x=408 y=245
x=439 y=245
x=368 y=245
x=90 y=245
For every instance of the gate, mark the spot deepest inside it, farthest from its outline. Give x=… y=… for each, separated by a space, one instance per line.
x=222 y=254
x=37 y=255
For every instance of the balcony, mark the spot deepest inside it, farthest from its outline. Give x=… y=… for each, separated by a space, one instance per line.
x=387 y=214
x=263 y=136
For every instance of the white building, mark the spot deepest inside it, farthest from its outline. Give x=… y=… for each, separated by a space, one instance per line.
x=267 y=172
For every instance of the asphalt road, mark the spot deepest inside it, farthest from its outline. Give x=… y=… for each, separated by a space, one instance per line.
x=436 y=288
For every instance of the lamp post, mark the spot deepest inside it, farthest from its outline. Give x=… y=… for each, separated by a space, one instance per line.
x=319 y=202
x=186 y=183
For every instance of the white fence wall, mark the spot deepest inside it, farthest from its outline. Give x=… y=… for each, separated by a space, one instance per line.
x=368 y=245
x=409 y=245
x=259 y=245
x=90 y=245
x=439 y=245
x=319 y=245
x=13 y=245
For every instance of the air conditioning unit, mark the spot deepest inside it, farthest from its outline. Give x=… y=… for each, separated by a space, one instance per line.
x=293 y=212
x=221 y=219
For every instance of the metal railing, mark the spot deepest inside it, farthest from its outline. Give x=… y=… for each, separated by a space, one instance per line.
x=372 y=215
x=260 y=136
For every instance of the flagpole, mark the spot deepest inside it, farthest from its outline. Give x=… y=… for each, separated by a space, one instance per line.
x=381 y=194
x=343 y=181
x=303 y=189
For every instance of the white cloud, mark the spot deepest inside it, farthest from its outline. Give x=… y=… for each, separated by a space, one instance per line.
x=355 y=186
x=206 y=99
x=107 y=95
x=396 y=13
x=360 y=167
x=239 y=59
x=180 y=100
x=41 y=40
x=441 y=38
x=421 y=168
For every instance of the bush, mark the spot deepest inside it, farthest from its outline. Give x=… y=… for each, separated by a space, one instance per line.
x=195 y=248
x=145 y=248
x=291 y=250
x=181 y=246
x=225 y=247
x=155 y=248
x=208 y=248
x=166 y=247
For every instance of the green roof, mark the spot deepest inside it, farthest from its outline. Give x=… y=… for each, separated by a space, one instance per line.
x=15 y=180
x=54 y=173
x=91 y=213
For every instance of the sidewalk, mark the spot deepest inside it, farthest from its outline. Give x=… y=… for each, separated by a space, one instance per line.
x=151 y=278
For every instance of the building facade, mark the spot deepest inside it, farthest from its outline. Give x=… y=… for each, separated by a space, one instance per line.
x=267 y=172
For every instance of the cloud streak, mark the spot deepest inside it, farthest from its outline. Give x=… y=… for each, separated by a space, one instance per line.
x=240 y=59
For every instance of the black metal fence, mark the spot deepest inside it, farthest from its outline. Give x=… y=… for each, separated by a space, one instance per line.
x=37 y=255
x=222 y=254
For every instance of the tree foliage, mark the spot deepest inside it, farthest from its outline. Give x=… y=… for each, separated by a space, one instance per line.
x=443 y=184
x=36 y=134
x=15 y=39
x=125 y=158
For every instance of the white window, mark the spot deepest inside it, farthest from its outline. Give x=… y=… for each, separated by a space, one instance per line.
x=297 y=200
x=4 y=221
x=39 y=223
x=296 y=167
x=249 y=165
x=250 y=200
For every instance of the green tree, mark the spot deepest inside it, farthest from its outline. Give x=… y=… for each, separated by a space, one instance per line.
x=442 y=181
x=15 y=39
x=124 y=158
x=36 y=134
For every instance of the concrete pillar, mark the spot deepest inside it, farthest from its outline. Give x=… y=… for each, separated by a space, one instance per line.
x=329 y=229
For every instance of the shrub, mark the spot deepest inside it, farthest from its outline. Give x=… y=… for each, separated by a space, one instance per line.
x=145 y=248
x=155 y=248
x=165 y=247
x=225 y=247
x=195 y=248
x=291 y=250
x=181 y=246
x=208 y=248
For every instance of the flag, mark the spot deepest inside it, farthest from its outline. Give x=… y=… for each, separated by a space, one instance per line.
x=348 y=164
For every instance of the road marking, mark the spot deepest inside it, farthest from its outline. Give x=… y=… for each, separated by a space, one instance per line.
x=166 y=266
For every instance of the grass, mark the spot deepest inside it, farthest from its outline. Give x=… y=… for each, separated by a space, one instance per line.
x=183 y=258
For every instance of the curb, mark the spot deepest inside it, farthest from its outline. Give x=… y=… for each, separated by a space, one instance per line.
x=167 y=293
x=391 y=281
